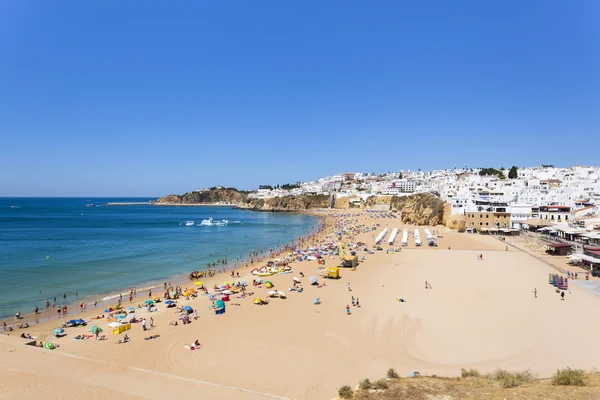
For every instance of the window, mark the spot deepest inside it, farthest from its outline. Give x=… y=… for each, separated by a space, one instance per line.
x=566 y=217
x=481 y=223
x=487 y=223
x=487 y=216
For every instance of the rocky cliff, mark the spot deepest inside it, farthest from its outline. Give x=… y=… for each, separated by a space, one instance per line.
x=290 y=203
x=213 y=195
x=418 y=209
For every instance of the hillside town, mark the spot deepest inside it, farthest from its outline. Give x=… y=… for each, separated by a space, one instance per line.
x=565 y=198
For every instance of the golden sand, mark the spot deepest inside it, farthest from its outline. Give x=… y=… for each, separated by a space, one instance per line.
x=478 y=313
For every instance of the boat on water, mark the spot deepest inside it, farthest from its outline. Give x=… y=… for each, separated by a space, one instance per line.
x=91 y=205
x=211 y=222
x=15 y=207
x=188 y=223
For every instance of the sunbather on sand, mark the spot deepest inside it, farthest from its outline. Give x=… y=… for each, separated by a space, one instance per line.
x=152 y=337
x=124 y=340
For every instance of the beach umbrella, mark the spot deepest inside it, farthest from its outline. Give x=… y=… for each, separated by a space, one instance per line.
x=188 y=308
x=317 y=301
x=169 y=302
x=114 y=324
x=108 y=310
x=313 y=279
x=149 y=301
x=156 y=298
x=272 y=292
x=131 y=309
x=243 y=282
x=219 y=304
x=186 y=294
x=120 y=316
x=49 y=345
x=59 y=331
x=191 y=290
x=172 y=294
x=198 y=283
x=257 y=300
x=95 y=329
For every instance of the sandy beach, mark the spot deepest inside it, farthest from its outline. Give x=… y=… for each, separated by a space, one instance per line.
x=478 y=313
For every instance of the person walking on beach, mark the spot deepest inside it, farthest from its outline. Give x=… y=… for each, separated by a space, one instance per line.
x=150 y=293
x=427 y=285
x=562 y=295
x=144 y=324
x=347 y=310
x=357 y=303
x=130 y=298
x=349 y=288
x=151 y=322
x=535 y=293
x=353 y=301
x=95 y=303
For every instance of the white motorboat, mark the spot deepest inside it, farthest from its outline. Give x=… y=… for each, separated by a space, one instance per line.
x=211 y=222
x=188 y=223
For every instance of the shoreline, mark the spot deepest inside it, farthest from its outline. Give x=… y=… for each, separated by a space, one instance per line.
x=180 y=279
x=431 y=331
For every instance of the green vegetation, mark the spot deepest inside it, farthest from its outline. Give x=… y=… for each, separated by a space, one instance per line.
x=365 y=384
x=392 y=374
x=380 y=384
x=569 y=377
x=501 y=384
x=470 y=373
x=492 y=171
x=513 y=173
x=345 y=392
x=510 y=379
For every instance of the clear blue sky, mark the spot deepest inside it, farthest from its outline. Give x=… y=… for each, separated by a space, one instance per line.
x=153 y=97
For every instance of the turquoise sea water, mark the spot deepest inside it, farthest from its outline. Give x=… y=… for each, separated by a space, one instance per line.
x=57 y=245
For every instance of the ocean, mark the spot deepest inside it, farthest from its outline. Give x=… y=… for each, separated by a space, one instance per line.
x=51 y=246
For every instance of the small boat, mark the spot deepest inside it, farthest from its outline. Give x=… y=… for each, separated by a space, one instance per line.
x=91 y=205
x=188 y=223
x=210 y=222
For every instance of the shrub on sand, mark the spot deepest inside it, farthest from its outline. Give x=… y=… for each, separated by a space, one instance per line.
x=469 y=373
x=392 y=374
x=380 y=384
x=345 y=392
x=569 y=377
x=365 y=384
x=510 y=379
